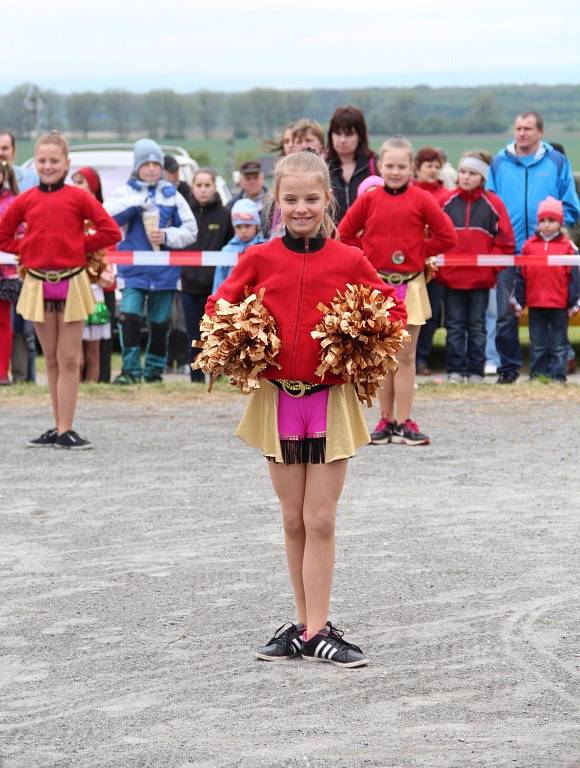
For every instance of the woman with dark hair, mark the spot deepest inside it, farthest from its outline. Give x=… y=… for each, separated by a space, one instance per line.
x=349 y=157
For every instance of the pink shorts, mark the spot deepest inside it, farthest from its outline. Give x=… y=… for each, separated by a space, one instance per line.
x=302 y=427
x=300 y=417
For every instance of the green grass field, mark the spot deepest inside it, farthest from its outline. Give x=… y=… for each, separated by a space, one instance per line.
x=219 y=153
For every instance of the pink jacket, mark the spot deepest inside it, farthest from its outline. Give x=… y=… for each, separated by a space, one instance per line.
x=6 y=198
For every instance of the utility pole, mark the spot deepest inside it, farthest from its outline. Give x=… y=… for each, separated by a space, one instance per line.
x=34 y=103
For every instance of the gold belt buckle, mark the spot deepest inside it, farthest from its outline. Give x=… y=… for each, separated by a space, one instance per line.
x=52 y=277
x=395 y=278
x=294 y=388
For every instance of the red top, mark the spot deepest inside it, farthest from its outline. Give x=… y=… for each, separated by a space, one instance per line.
x=435 y=188
x=55 y=227
x=547 y=287
x=483 y=226
x=393 y=228
x=295 y=281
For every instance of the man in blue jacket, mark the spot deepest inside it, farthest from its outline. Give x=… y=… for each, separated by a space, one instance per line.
x=523 y=174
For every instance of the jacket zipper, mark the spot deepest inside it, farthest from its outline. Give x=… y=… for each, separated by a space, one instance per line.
x=526 y=201
x=300 y=302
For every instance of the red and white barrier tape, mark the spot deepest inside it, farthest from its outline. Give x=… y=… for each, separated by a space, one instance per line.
x=228 y=259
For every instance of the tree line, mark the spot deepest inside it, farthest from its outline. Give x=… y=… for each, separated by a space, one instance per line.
x=262 y=112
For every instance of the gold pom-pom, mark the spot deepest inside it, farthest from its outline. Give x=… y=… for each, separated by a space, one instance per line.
x=96 y=265
x=359 y=342
x=238 y=341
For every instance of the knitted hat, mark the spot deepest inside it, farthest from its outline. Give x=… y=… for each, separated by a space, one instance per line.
x=550 y=208
x=245 y=211
x=370 y=181
x=146 y=151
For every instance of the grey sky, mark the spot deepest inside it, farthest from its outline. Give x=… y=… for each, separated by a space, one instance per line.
x=230 y=45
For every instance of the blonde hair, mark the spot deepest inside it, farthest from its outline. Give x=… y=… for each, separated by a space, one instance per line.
x=301 y=127
x=398 y=142
x=308 y=162
x=56 y=138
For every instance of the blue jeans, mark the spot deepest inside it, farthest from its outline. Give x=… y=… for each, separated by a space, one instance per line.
x=193 y=307
x=548 y=342
x=159 y=304
x=465 y=321
x=491 y=355
x=507 y=339
x=435 y=289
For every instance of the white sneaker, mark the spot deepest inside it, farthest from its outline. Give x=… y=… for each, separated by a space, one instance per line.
x=490 y=369
x=455 y=378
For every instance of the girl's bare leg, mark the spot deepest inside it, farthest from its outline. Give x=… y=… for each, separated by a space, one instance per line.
x=404 y=379
x=92 y=351
x=387 y=398
x=289 y=482
x=68 y=351
x=324 y=483
x=47 y=333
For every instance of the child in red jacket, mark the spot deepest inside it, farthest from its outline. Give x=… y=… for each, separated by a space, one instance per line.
x=393 y=221
x=56 y=294
x=552 y=293
x=308 y=428
x=483 y=226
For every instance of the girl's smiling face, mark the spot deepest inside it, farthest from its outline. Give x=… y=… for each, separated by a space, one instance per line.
x=51 y=163
x=302 y=199
x=396 y=168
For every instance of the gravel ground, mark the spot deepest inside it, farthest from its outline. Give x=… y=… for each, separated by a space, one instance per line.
x=137 y=579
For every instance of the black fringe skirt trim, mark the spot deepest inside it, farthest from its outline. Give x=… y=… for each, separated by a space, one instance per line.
x=309 y=450
x=51 y=305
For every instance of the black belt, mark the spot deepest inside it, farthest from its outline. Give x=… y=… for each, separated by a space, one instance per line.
x=299 y=388
x=54 y=275
x=398 y=278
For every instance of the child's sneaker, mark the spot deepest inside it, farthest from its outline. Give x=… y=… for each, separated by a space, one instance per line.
x=46 y=440
x=407 y=433
x=71 y=441
x=333 y=649
x=382 y=432
x=286 y=643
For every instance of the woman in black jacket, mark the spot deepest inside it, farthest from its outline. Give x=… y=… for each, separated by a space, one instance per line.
x=349 y=158
x=214 y=231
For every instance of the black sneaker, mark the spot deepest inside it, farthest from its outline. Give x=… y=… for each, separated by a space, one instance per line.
x=286 y=643
x=70 y=441
x=333 y=649
x=46 y=440
x=408 y=433
x=507 y=378
x=382 y=433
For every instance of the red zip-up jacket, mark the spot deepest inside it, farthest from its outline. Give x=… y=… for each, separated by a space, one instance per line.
x=547 y=287
x=434 y=188
x=297 y=274
x=393 y=224
x=55 y=227
x=483 y=225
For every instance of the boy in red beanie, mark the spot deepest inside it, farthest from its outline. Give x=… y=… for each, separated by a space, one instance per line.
x=551 y=293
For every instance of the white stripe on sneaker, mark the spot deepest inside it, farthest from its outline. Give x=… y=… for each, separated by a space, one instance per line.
x=320 y=648
x=331 y=654
x=297 y=644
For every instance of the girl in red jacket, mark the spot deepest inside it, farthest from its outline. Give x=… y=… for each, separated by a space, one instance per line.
x=56 y=294
x=308 y=428
x=483 y=226
x=393 y=221
x=552 y=293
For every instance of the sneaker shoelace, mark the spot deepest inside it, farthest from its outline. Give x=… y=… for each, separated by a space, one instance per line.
x=337 y=634
x=282 y=635
x=381 y=425
x=412 y=425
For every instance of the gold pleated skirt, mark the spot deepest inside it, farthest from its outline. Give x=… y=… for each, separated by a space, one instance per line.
x=79 y=303
x=346 y=428
x=417 y=301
